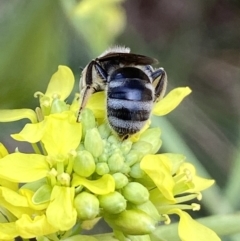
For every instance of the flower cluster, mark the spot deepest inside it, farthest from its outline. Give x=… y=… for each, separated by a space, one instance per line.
x=80 y=172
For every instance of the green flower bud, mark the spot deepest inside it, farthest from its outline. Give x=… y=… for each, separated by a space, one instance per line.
x=42 y=195
x=93 y=142
x=156 y=146
x=132 y=157
x=136 y=171
x=149 y=208
x=125 y=168
x=142 y=147
x=152 y=136
x=84 y=164
x=35 y=185
x=113 y=202
x=103 y=157
x=136 y=193
x=80 y=147
x=87 y=206
x=58 y=106
x=115 y=162
x=113 y=140
x=126 y=146
x=132 y=222
x=120 y=180
x=104 y=131
x=102 y=168
x=87 y=120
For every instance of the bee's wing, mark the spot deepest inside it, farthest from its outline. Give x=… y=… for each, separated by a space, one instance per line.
x=128 y=58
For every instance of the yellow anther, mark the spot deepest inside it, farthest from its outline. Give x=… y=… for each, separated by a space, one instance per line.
x=199 y=196
x=195 y=206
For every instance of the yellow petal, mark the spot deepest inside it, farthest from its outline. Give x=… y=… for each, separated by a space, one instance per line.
x=19 y=167
x=17 y=211
x=29 y=194
x=199 y=183
x=137 y=136
x=171 y=101
x=61 y=213
x=3 y=150
x=97 y=104
x=31 y=133
x=102 y=186
x=17 y=114
x=8 y=231
x=13 y=197
x=158 y=169
x=61 y=83
x=11 y=185
x=190 y=230
x=29 y=228
x=62 y=133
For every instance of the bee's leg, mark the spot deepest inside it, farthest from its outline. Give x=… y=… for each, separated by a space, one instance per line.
x=160 y=83
x=94 y=80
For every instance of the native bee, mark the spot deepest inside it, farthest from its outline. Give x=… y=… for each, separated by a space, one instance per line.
x=132 y=87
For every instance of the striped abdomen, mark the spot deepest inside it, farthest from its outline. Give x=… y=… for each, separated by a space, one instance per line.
x=129 y=100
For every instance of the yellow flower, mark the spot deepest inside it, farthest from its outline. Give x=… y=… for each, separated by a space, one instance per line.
x=48 y=176
x=176 y=182
x=189 y=229
x=85 y=164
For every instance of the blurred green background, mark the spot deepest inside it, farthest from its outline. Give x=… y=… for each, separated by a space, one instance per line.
x=197 y=43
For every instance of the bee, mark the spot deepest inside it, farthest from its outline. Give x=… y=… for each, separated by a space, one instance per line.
x=131 y=84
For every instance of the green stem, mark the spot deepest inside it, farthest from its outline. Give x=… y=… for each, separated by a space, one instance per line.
x=36 y=148
x=43 y=149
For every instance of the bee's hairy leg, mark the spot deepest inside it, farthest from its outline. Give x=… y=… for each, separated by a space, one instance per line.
x=95 y=80
x=160 y=83
x=85 y=93
x=101 y=72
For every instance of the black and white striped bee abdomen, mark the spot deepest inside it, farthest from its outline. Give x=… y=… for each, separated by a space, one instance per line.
x=131 y=84
x=130 y=96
